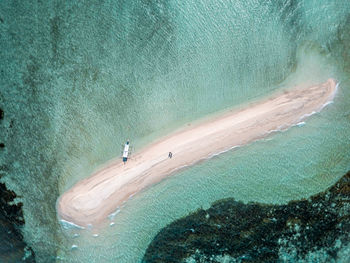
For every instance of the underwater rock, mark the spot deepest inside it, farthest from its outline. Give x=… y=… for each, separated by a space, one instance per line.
x=13 y=248
x=231 y=231
x=2 y=145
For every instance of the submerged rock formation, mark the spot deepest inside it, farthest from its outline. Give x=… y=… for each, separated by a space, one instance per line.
x=316 y=229
x=12 y=248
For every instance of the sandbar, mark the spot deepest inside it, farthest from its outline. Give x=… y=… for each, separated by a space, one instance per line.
x=91 y=200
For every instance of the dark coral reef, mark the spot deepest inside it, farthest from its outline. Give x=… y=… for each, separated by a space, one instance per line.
x=12 y=248
x=316 y=229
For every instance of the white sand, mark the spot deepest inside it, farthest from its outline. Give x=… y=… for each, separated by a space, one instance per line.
x=92 y=199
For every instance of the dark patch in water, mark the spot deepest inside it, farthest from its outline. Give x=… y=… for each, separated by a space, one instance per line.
x=13 y=248
x=257 y=232
x=32 y=78
x=155 y=33
x=55 y=36
x=341 y=45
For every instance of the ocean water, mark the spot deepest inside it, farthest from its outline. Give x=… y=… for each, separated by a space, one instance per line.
x=78 y=78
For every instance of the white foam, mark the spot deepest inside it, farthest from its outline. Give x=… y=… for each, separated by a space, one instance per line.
x=205 y=158
x=327 y=103
x=112 y=224
x=279 y=129
x=314 y=112
x=323 y=106
x=70 y=225
x=229 y=149
x=336 y=89
x=301 y=124
x=112 y=215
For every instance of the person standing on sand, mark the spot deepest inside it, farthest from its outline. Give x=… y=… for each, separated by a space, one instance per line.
x=170 y=155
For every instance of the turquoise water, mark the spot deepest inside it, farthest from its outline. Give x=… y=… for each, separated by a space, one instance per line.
x=79 y=78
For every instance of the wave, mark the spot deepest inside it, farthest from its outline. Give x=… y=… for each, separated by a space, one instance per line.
x=112 y=215
x=70 y=225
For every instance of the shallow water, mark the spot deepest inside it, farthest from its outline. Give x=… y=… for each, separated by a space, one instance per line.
x=79 y=79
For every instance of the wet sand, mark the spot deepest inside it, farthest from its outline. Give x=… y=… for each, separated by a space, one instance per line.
x=91 y=200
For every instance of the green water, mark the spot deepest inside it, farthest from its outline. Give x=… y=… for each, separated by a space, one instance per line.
x=79 y=78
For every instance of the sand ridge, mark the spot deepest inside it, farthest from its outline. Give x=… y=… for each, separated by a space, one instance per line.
x=91 y=200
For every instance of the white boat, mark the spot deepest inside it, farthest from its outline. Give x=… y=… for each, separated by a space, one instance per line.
x=126 y=151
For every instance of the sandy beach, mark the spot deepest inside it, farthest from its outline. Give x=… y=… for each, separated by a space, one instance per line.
x=91 y=200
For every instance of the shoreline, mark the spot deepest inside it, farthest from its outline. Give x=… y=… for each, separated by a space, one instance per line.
x=92 y=199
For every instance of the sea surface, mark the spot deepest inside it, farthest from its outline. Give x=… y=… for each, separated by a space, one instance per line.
x=78 y=78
